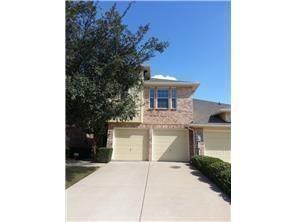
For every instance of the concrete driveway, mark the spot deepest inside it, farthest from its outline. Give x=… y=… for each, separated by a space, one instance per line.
x=146 y=191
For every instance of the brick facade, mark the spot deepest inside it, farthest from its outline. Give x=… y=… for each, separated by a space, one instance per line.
x=161 y=119
x=182 y=115
x=198 y=147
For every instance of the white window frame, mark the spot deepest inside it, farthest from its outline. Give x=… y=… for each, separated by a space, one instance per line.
x=173 y=97
x=163 y=88
x=151 y=88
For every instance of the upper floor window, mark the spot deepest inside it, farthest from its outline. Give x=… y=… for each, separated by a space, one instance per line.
x=151 y=97
x=162 y=98
x=174 y=98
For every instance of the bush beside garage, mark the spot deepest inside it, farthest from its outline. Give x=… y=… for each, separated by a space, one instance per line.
x=216 y=170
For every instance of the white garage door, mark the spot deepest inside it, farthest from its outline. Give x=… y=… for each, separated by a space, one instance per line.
x=130 y=144
x=170 y=145
x=218 y=143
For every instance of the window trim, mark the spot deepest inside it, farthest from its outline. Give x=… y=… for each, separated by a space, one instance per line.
x=173 y=97
x=168 y=98
x=151 y=88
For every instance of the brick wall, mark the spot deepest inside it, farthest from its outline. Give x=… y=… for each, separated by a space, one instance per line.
x=182 y=115
x=161 y=119
x=201 y=144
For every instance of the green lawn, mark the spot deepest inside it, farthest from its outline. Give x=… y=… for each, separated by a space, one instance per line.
x=74 y=174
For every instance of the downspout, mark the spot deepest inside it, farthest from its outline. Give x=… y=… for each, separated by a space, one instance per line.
x=195 y=146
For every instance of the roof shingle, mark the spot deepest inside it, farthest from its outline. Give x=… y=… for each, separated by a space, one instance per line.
x=205 y=112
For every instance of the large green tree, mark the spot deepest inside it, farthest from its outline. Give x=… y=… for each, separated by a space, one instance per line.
x=103 y=62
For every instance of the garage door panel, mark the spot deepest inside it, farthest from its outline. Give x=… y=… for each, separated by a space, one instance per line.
x=170 y=145
x=223 y=155
x=130 y=144
x=218 y=144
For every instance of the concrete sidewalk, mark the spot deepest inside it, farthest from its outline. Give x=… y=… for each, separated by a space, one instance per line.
x=143 y=191
x=83 y=163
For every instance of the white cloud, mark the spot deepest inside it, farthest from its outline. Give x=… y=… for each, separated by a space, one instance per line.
x=164 y=77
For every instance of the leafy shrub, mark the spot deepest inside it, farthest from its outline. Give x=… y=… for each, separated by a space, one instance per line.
x=202 y=162
x=216 y=170
x=220 y=173
x=103 y=154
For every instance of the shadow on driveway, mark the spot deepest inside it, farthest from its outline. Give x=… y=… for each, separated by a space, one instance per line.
x=204 y=179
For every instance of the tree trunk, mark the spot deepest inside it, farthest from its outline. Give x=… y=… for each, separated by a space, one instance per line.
x=99 y=137
x=94 y=146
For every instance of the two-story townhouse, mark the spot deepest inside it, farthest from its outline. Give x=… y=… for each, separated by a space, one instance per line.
x=169 y=126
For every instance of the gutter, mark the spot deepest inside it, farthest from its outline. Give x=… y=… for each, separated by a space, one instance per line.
x=195 y=146
x=188 y=127
x=209 y=125
x=223 y=111
x=195 y=84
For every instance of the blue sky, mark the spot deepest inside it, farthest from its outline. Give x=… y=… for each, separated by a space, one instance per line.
x=199 y=37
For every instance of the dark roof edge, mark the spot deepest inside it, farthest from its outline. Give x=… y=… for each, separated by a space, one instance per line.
x=203 y=100
x=223 y=125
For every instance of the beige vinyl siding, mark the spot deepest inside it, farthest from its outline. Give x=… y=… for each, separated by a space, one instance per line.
x=130 y=144
x=170 y=145
x=218 y=143
x=139 y=110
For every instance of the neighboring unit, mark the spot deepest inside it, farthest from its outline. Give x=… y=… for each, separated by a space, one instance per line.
x=212 y=126
x=171 y=125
